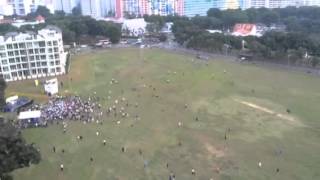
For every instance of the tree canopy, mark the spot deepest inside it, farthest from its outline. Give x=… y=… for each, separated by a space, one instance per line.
x=14 y=151
x=301 y=37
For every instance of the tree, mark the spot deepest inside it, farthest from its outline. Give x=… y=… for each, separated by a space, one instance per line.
x=214 y=12
x=269 y=17
x=114 y=33
x=68 y=36
x=162 y=37
x=4 y=28
x=76 y=11
x=315 y=61
x=14 y=151
x=151 y=28
x=79 y=27
x=43 y=11
x=60 y=14
x=232 y=16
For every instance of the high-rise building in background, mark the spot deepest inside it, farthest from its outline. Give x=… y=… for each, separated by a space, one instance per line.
x=24 y=7
x=123 y=8
x=197 y=7
x=65 y=5
x=6 y=8
x=156 y=7
x=274 y=3
x=227 y=4
x=91 y=8
x=311 y=2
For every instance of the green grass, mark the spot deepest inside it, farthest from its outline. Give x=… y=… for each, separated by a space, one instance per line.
x=210 y=95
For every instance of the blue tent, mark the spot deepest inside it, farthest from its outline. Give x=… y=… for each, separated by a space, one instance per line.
x=17 y=105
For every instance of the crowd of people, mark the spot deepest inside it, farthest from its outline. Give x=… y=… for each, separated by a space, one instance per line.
x=65 y=108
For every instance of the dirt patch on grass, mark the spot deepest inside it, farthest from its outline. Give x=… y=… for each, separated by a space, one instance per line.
x=266 y=110
x=217 y=152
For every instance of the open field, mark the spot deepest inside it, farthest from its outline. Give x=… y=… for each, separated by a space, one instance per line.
x=245 y=103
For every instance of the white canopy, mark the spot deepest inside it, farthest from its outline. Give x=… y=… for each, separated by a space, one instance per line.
x=29 y=114
x=11 y=99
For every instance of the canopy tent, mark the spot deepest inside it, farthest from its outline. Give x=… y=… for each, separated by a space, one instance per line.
x=29 y=115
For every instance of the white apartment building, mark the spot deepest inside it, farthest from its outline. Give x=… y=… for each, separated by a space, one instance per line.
x=32 y=55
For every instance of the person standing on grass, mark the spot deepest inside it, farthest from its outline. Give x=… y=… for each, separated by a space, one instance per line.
x=193 y=172
x=61 y=167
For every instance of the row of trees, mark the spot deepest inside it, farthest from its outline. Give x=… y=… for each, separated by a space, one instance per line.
x=302 y=19
x=295 y=45
x=73 y=26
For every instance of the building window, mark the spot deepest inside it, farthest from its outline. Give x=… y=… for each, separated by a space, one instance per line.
x=24 y=65
x=5 y=69
x=33 y=64
x=37 y=57
x=22 y=45
x=55 y=43
x=38 y=64
x=31 y=51
x=15 y=46
x=13 y=67
x=31 y=58
x=57 y=62
x=23 y=52
x=4 y=62
x=11 y=60
x=42 y=44
x=29 y=44
x=45 y=70
x=23 y=59
x=14 y=74
x=58 y=69
x=55 y=50
x=6 y=76
x=43 y=63
x=50 y=50
x=51 y=57
x=49 y=43
x=16 y=53
x=3 y=55
x=56 y=56
x=52 y=63
x=17 y=59
x=18 y=66
x=53 y=70
x=9 y=46
x=42 y=50
x=2 y=48
x=34 y=71
x=10 y=53
x=36 y=44
x=43 y=57
x=26 y=73
x=36 y=51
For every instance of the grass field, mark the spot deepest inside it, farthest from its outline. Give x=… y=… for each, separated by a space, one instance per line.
x=245 y=102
